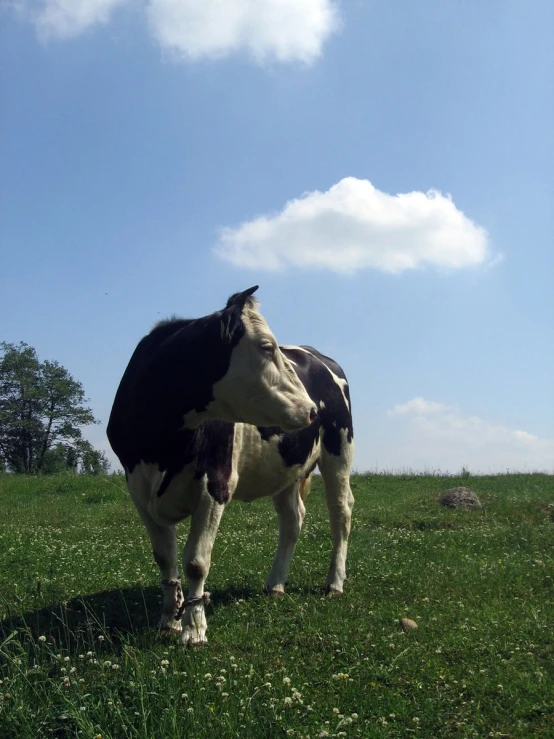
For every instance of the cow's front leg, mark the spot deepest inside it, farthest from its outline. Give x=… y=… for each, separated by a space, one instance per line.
x=290 y=512
x=196 y=563
x=164 y=548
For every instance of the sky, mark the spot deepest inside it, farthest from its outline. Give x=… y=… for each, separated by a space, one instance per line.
x=384 y=170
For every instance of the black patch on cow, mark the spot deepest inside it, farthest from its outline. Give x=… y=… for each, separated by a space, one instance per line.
x=172 y=372
x=214 y=457
x=312 y=368
x=210 y=447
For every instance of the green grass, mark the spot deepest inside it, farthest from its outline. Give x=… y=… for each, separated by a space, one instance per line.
x=79 y=600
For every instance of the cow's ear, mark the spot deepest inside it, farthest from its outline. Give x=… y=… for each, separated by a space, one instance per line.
x=231 y=317
x=228 y=323
x=239 y=300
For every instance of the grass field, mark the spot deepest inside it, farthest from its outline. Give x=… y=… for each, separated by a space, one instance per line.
x=79 y=601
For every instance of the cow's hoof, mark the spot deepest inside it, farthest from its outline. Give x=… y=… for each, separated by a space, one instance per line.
x=332 y=592
x=193 y=637
x=170 y=626
x=274 y=591
x=194 y=626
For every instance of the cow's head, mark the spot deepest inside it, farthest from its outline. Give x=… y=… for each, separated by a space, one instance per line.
x=260 y=386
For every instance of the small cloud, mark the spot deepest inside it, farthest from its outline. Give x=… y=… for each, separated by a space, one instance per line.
x=432 y=435
x=62 y=19
x=354 y=226
x=526 y=438
x=418 y=406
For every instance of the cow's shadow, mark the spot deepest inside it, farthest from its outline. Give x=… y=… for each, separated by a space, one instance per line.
x=117 y=616
x=114 y=615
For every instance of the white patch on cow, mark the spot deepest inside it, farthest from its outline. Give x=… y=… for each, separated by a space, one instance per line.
x=321 y=405
x=260 y=467
x=341 y=383
x=172 y=507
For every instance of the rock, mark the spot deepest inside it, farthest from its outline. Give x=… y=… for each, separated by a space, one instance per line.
x=407 y=624
x=460 y=498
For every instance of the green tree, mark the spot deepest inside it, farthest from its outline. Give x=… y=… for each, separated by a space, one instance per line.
x=42 y=410
x=93 y=461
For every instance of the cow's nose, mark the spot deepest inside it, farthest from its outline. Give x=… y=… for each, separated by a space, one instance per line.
x=313 y=414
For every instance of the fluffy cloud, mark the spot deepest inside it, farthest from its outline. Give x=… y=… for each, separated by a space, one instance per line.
x=283 y=30
x=435 y=436
x=354 y=226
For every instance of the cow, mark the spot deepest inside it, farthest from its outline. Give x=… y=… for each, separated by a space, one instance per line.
x=212 y=409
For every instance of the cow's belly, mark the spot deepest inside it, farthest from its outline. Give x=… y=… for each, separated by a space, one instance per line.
x=259 y=466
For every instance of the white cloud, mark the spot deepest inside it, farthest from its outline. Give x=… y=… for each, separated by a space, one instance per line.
x=428 y=435
x=67 y=18
x=420 y=406
x=284 y=30
x=354 y=226
x=281 y=30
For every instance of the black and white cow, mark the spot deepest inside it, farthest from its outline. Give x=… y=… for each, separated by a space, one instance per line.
x=212 y=409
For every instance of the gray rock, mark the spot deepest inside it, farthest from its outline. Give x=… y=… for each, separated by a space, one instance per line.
x=460 y=498
x=408 y=624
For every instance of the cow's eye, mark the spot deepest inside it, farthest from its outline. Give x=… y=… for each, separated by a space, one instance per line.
x=268 y=348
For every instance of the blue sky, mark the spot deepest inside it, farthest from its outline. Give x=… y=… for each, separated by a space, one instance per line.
x=383 y=170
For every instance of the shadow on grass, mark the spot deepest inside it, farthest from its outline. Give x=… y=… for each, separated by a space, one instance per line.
x=119 y=615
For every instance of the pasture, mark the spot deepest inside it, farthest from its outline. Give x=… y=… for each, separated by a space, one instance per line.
x=80 y=599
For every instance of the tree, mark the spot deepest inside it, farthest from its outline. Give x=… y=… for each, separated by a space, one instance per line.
x=42 y=410
x=93 y=461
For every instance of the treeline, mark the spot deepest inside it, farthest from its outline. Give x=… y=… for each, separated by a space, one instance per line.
x=42 y=412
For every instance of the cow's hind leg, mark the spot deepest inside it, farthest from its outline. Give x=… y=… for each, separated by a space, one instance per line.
x=290 y=512
x=197 y=557
x=164 y=548
x=335 y=470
